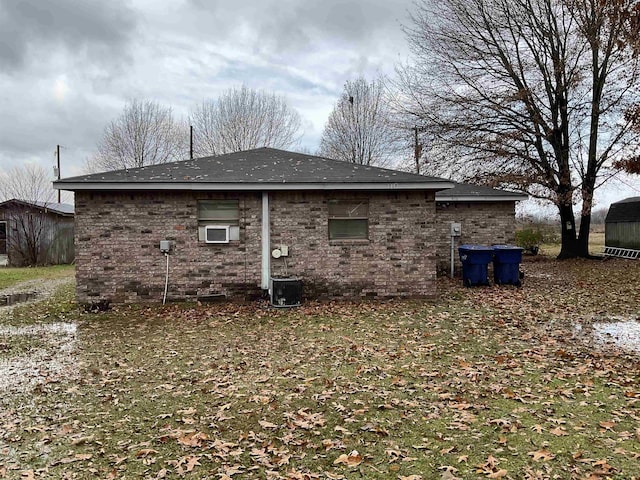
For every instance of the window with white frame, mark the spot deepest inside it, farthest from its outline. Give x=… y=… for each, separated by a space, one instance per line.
x=349 y=219
x=218 y=221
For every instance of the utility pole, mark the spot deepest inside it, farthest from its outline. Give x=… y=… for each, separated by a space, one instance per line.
x=417 y=151
x=191 y=142
x=58 y=157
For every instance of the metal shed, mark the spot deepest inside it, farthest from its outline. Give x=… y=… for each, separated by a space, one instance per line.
x=622 y=225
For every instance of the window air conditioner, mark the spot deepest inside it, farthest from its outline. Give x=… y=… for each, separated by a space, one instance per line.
x=216 y=234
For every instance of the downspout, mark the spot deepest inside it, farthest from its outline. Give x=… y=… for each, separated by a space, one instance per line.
x=266 y=244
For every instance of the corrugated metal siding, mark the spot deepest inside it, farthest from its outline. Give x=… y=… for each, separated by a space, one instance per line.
x=623 y=235
x=60 y=243
x=56 y=240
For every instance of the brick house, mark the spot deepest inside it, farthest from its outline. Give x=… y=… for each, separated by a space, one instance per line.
x=486 y=215
x=237 y=220
x=349 y=230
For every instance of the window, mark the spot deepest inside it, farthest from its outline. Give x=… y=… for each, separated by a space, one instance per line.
x=348 y=219
x=218 y=214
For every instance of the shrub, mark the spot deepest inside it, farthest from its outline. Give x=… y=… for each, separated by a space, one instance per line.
x=529 y=239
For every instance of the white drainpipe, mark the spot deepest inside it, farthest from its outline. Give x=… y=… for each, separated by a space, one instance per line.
x=266 y=244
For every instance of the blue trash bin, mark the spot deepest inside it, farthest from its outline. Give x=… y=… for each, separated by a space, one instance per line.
x=506 y=265
x=475 y=261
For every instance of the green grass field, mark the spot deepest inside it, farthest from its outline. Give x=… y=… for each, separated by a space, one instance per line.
x=596 y=246
x=11 y=276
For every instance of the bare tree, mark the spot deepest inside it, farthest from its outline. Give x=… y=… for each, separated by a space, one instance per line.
x=359 y=129
x=144 y=134
x=241 y=119
x=27 y=193
x=528 y=94
x=28 y=182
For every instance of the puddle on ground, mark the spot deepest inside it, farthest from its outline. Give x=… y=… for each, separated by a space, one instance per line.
x=622 y=333
x=13 y=298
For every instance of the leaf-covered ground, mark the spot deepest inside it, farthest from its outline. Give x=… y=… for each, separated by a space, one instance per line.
x=484 y=383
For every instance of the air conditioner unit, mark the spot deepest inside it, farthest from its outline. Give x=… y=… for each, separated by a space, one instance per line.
x=216 y=234
x=286 y=292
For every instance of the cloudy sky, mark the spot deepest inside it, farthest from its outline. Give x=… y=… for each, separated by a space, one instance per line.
x=67 y=67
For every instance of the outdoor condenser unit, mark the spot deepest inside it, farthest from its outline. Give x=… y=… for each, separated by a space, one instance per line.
x=286 y=292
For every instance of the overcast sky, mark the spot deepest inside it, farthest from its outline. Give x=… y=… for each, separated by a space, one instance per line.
x=69 y=66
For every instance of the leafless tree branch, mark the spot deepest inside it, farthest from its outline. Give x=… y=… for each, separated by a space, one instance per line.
x=359 y=128
x=526 y=93
x=144 y=134
x=241 y=119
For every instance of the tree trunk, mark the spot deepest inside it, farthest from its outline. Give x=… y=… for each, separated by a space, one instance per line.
x=583 y=237
x=585 y=221
x=569 y=248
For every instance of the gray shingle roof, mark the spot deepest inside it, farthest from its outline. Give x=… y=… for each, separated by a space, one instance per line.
x=262 y=168
x=61 y=208
x=627 y=210
x=470 y=193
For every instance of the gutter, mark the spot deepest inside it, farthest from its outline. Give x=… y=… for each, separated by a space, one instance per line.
x=472 y=198
x=199 y=186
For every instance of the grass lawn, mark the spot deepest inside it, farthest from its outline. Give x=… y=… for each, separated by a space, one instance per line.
x=596 y=245
x=491 y=382
x=11 y=276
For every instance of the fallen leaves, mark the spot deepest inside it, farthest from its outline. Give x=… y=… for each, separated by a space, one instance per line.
x=267 y=425
x=498 y=474
x=541 y=455
x=607 y=425
x=352 y=459
x=193 y=439
x=485 y=383
x=145 y=452
x=78 y=457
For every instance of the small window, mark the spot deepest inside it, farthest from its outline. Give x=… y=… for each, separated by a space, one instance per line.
x=222 y=217
x=348 y=219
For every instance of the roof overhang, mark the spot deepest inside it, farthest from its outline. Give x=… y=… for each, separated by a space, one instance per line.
x=477 y=198
x=200 y=186
x=44 y=208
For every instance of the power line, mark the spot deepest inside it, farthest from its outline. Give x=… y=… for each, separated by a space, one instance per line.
x=628 y=185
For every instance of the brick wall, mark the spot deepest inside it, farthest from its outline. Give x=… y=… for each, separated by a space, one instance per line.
x=118 y=259
x=483 y=223
x=397 y=260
